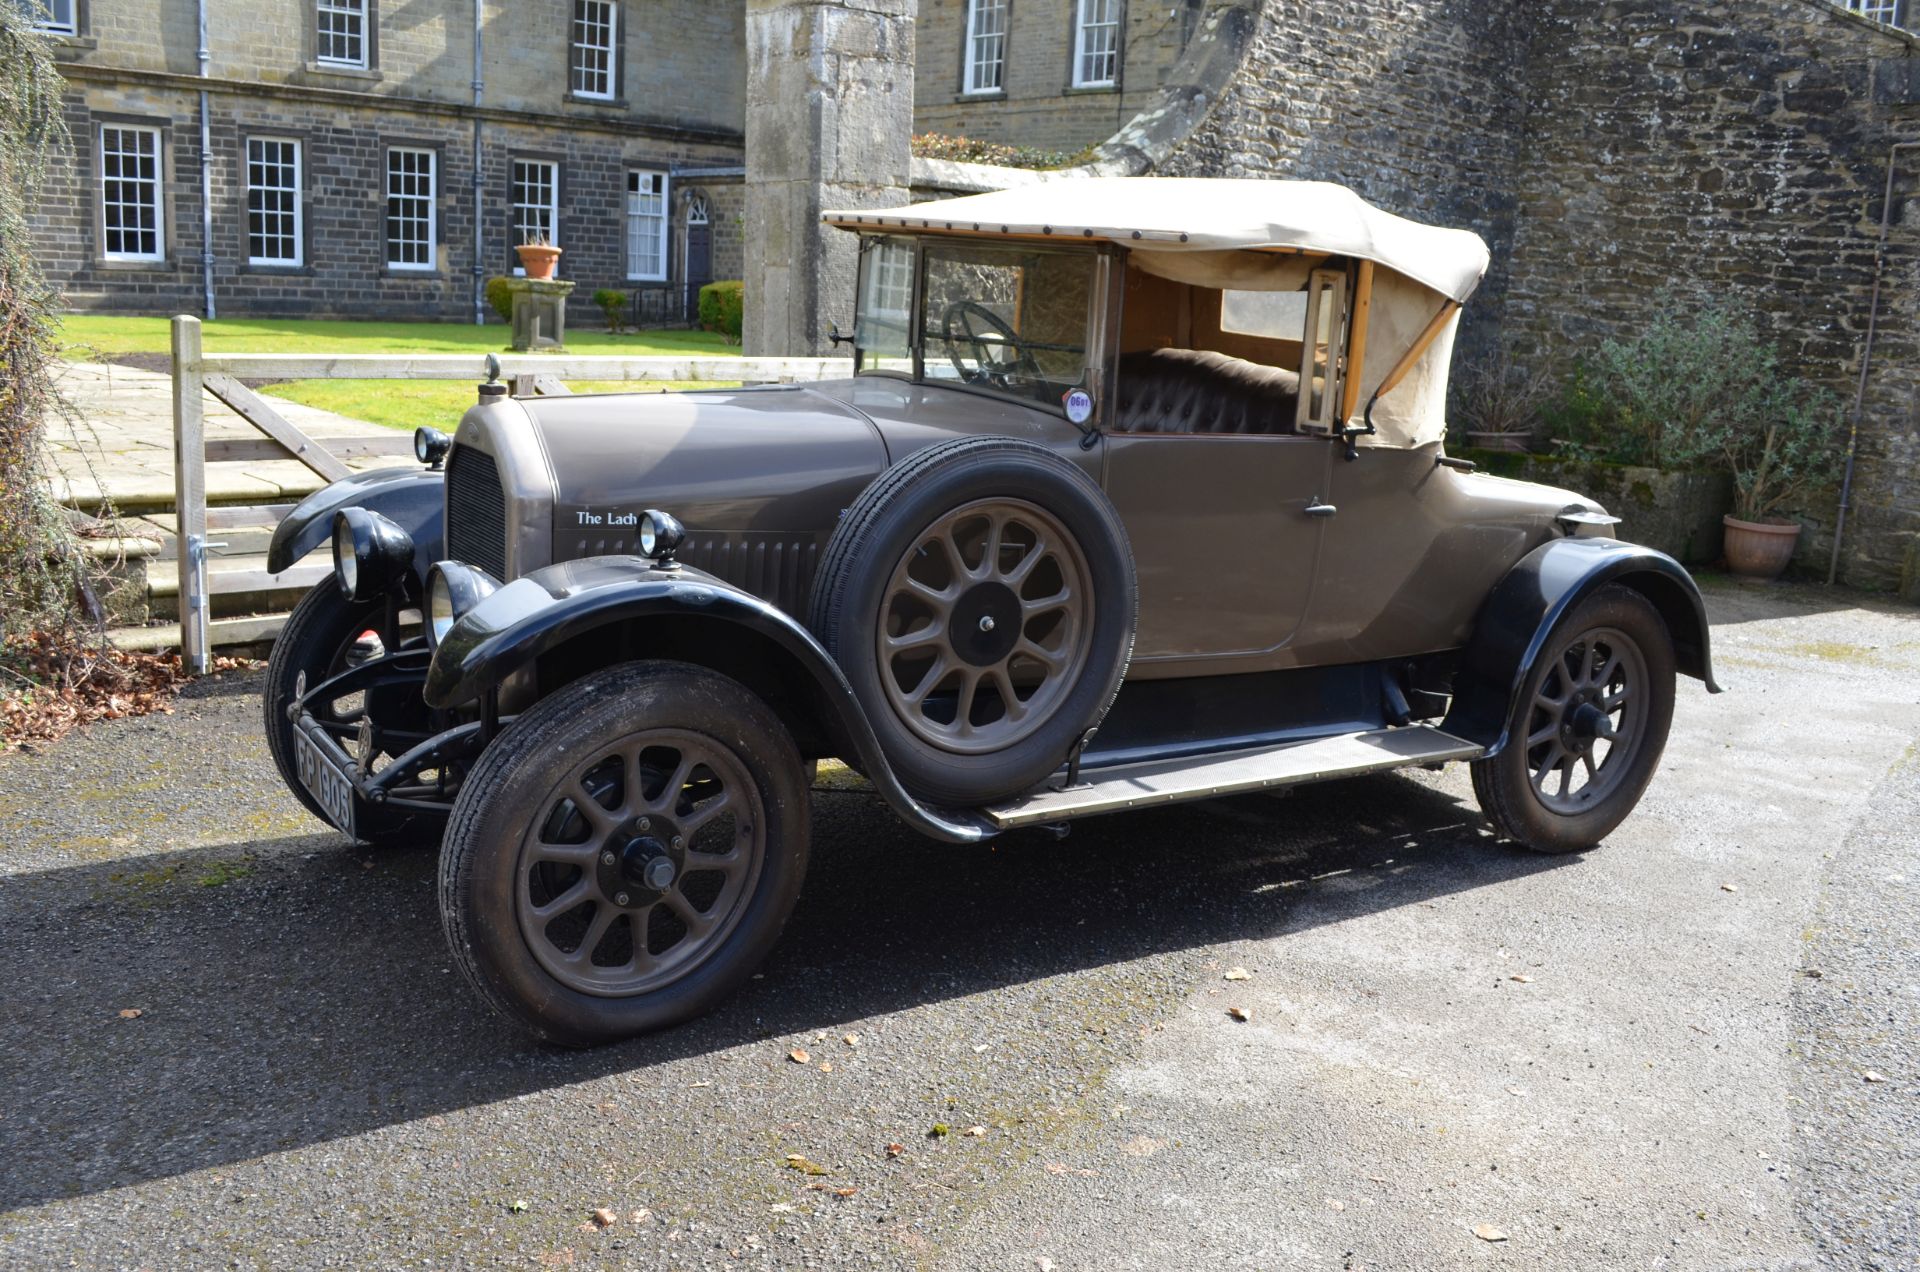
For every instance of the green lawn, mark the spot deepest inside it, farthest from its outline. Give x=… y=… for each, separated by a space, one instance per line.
x=403 y=404
x=103 y=335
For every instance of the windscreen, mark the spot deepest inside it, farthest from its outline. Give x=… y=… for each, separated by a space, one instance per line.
x=1007 y=319
x=883 y=325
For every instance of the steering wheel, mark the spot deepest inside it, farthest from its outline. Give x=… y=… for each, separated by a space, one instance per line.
x=983 y=332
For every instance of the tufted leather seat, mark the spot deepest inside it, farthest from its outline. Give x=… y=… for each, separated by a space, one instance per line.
x=1198 y=391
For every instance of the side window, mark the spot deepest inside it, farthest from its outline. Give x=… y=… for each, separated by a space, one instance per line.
x=1096 y=43
x=646 y=226
x=986 y=47
x=55 y=17
x=1320 y=356
x=536 y=203
x=131 y=225
x=410 y=207
x=1275 y=315
x=595 y=49
x=341 y=33
x=883 y=328
x=273 y=201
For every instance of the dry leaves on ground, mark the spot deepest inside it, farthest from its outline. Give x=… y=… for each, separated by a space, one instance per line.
x=799 y=1055
x=605 y=1218
x=47 y=691
x=800 y=1162
x=1487 y=1232
x=1240 y=1013
x=1238 y=974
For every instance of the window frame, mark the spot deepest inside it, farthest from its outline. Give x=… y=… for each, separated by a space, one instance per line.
x=969 y=44
x=159 y=184
x=514 y=205
x=297 y=207
x=432 y=199
x=612 y=49
x=1871 y=10
x=51 y=26
x=1078 y=44
x=666 y=221
x=360 y=10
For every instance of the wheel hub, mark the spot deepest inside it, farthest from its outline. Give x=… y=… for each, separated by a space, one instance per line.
x=1584 y=722
x=986 y=624
x=642 y=862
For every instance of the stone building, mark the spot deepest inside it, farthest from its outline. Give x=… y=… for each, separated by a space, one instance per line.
x=377 y=158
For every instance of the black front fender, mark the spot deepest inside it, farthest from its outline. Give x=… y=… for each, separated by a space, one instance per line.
x=1520 y=613
x=546 y=608
x=412 y=498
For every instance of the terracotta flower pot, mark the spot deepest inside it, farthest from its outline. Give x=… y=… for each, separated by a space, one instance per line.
x=1759 y=550
x=537 y=260
x=1497 y=441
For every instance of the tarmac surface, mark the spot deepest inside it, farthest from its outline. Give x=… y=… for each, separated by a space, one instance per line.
x=1653 y=1055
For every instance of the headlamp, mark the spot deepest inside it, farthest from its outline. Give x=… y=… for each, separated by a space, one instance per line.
x=452 y=590
x=371 y=555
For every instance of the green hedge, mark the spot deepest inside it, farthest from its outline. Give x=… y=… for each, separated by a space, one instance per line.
x=721 y=307
x=500 y=298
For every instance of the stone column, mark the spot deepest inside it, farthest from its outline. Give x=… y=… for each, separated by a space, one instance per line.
x=829 y=125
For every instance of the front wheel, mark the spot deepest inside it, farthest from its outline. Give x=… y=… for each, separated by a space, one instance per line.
x=626 y=853
x=1589 y=728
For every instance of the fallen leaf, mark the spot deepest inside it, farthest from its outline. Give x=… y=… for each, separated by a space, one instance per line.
x=826 y=1066
x=516 y=1207
x=1142 y=1146
x=852 y=1040
x=1515 y=1091
x=976 y=1131
x=640 y=1216
x=1871 y=1076
x=981 y=1047
x=1729 y=887
x=845 y=1192
x=1524 y=980
x=782 y=1208
x=1043 y=1263
x=1238 y=974
x=1239 y=1013
x=1333 y=1204
x=800 y=1162
x=605 y=1217
x=131 y=1013
x=940 y=1130
x=1487 y=1232
x=894 y=1150
x=798 y=1055
x=1056 y=1168
x=1378 y=1179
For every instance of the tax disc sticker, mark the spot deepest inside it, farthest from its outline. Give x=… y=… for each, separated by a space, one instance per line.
x=1079 y=405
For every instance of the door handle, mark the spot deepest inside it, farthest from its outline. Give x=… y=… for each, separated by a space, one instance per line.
x=1318 y=509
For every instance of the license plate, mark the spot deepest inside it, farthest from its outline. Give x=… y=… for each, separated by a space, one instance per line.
x=331 y=787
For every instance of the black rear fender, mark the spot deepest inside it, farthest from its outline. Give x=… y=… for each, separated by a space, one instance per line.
x=573 y=618
x=412 y=498
x=1520 y=613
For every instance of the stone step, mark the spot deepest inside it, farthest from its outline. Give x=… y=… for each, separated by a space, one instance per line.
x=222 y=633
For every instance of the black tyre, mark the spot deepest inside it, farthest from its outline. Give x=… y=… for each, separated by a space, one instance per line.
x=1589 y=729
x=980 y=598
x=625 y=853
x=319 y=633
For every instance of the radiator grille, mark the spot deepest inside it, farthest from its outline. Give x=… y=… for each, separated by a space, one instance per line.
x=777 y=568
x=476 y=511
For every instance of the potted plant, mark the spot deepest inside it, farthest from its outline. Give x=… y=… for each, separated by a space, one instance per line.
x=1776 y=458
x=538 y=256
x=1499 y=401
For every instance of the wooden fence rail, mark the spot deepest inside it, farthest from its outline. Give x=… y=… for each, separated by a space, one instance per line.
x=196 y=372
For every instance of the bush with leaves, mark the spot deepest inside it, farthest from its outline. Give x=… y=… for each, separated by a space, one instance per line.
x=723 y=308
x=973 y=150
x=1701 y=388
x=499 y=293
x=613 y=304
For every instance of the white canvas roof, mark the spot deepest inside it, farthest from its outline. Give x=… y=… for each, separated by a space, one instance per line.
x=1201 y=214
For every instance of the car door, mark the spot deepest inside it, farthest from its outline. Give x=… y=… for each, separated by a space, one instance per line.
x=1224 y=544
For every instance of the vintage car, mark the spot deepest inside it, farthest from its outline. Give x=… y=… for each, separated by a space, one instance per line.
x=1137 y=494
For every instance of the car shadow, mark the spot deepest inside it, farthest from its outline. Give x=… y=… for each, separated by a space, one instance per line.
x=294 y=991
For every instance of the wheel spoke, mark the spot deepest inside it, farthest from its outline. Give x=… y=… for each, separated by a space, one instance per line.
x=603 y=917
x=1003 y=684
x=1566 y=773
x=990 y=551
x=931 y=681
x=1593 y=770
x=1545 y=733
x=1040 y=654
x=1616 y=700
x=1605 y=674
x=963 y=706
x=581 y=855
x=1046 y=604
x=590 y=808
x=565 y=901
x=698 y=924
x=931 y=634
x=1039 y=552
x=669 y=799
x=1547 y=765
x=939 y=600
x=705 y=812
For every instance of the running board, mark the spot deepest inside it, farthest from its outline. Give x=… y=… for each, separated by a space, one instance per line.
x=1234 y=772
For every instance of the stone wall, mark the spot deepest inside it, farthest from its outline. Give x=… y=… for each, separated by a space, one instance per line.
x=1734 y=153
x=1039 y=107
x=1415 y=104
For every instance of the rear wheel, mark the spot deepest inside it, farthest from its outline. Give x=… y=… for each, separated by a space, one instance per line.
x=626 y=853
x=1589 y=729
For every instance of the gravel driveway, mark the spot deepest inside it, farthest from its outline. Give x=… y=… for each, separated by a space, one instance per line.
x=1651 y=1056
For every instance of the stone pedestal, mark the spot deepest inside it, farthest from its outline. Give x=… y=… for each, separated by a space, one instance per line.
x=539 y=313
x=829 y=125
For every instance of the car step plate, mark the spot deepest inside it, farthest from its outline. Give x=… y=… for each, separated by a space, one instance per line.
x=1234 y=772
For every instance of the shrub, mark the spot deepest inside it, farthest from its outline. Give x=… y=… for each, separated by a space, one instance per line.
x=972 y=150
x=722 y=307
x=1500 y=394
x=613 y=304
x=1701 y=388
x=500 y=297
